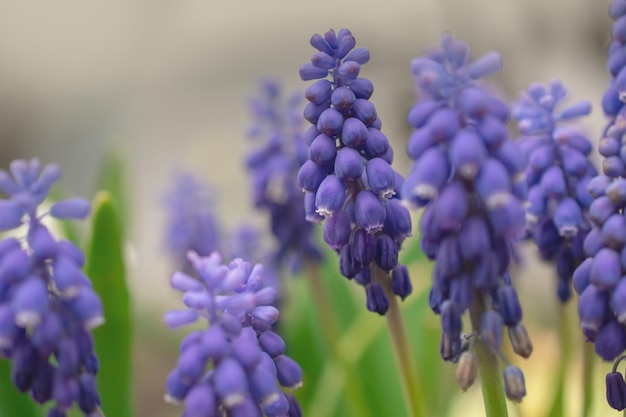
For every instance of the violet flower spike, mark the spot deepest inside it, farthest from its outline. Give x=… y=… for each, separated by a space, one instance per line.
x=599 y=279
x=470 y=180
x=273 y=167
x=348 y=175
x=557 y=211
x=47 y=305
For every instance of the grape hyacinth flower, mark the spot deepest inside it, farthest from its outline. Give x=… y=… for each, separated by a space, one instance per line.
x=47 y=304
x=558 y=173
x=273 y=168
x=348 y=179
x=191 y=222
x=470 y=179
x=238 y=364
x=599 y=279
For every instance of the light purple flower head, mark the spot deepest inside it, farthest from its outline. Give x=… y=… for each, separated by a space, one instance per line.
x=237 y=363
x=348 y=178
x=47 y=304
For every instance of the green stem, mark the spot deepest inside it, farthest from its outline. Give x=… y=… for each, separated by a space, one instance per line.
x=330 y=329
x=566 y=354
x=490 y=376
x=411 y=384
x=588 y=380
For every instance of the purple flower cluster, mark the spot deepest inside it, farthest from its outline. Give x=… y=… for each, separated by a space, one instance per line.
x=470 y=179
x=191 y=223
x=599 y=279
x=47 y=304
x=558 y=174
x=348 y=178
x=235 y=366
x=273 y=169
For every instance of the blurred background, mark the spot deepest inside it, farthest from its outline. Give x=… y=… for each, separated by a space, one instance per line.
x=165 y=85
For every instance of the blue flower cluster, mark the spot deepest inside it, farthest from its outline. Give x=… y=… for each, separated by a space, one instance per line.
x=598 y=280
x=233 y=366
x=191 y=223
x=558 y=174
x=348 y=178
x=470 y=179
x=273 y=169
x=47 y=304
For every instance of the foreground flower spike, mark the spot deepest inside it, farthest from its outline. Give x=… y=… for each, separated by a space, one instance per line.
x=273 y=168
x=191 y=222
x=557 y=212
x=348 y=177
x=237 y=365
x=470 y=180
x=47 y=304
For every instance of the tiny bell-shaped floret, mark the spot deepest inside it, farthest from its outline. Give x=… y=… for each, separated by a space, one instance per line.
x=606 y=269
x=331 y=196
x=520 y=341
x=610 y=341
x=381 y=177
x=386 y=252
x=593 y=307
x=466 y=370
x=510 y=308
x=401 y=281
x=616 y=390
x=369 y=211
x=288 y=371
x=337 y=230
x=514 y=384
x=377 y=301
x=230 y=382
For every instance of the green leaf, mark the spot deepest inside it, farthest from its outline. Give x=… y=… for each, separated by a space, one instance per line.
x=105 y=267
x=111 y=179
x=13 y=402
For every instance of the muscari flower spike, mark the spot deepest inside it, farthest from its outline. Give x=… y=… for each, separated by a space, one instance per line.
x=191 y=222
x=470 y=179
x=47 y=304
x=558 y=174
x=599 y=279
x=273 y=168
x=348 y=179
x=238 y=364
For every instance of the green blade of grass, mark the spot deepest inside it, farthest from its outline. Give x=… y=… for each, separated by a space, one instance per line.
x=105 y=266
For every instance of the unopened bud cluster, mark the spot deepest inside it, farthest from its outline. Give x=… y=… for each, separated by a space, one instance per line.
x=348 y=178
x=47 y=304
x=238 y=364
x=470 y=179
x=558 y=175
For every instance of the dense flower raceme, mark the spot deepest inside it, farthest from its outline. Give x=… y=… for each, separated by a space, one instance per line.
x=348 y=177
x=47 y=304
x=191 y=222
x=558 y=173
x=599 y=279
x=273 y=168
x=232 y=367
x=470 y=179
